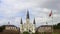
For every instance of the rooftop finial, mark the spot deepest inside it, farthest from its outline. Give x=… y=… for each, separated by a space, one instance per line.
x=8 y=23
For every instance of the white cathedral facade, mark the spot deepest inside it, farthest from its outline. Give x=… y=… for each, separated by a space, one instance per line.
x=28 y=26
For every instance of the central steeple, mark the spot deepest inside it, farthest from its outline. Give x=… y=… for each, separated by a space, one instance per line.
x=27 y=26
x=27 y=14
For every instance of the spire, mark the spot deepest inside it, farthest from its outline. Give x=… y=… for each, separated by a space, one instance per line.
x=8 y=23
x=27 y=14
x=34 y=21
x=21 y=21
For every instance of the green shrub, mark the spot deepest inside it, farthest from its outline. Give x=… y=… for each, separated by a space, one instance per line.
x=25 y=32
x=2 y=28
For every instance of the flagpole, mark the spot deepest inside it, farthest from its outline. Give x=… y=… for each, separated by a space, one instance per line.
x=52 y=22
x=51 y=15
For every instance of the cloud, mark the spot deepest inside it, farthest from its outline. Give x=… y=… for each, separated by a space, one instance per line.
x=52 y=4
x=13 y=10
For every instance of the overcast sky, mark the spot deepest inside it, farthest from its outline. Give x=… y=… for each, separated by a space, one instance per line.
x=12 y=11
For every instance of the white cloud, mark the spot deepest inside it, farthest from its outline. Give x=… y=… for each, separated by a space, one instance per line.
x=9 y=9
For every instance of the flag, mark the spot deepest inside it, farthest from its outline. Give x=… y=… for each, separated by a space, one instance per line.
x=50 y=13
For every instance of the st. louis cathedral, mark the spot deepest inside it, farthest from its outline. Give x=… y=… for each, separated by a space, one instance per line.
x=28 y=26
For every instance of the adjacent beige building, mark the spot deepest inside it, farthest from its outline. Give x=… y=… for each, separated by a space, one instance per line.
x=44 y=28
x=11 y=27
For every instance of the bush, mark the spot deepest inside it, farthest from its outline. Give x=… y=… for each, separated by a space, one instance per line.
x=56 y=26
x=36 y=32
x=2 y=28
x=25 y=32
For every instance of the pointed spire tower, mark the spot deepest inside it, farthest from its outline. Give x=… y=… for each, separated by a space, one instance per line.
x=21 y=21
x=8 y=23
x=34 y=21
x=34 y=26
x=21 y=26
x=27 y=14
x=27 y=17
